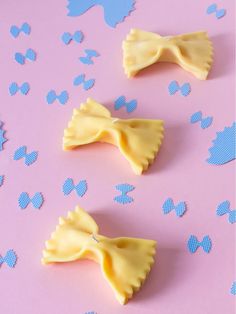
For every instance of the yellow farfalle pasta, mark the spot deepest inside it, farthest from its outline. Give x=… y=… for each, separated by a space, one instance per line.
x=125 y=262
x=193 y=52
x=137 y=139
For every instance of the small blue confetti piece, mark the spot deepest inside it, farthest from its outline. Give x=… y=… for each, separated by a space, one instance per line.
x=124 y=189
x=193 y=244
x=15 y=30
x=30 y=55
x=204 y=122
x=10 y=259
x=233 y=288
x=121 y=102
x=24 y=200
x=81 y=80
x=224 y=208
x=2 y=136
x=1 y=180
x=14 y=88
x=218 y=12
x=174 y=86
x=169 y=205
x=77 y=37
x=62 y=97
x=30 y=158
x=80 y=188
x=89 y=55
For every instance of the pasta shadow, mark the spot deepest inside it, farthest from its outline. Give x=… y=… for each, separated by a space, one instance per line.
x=162 y=276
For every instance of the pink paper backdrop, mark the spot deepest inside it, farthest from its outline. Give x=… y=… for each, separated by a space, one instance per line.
x=180 y=282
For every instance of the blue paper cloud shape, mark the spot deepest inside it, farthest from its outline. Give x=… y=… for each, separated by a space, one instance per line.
x=224 y=146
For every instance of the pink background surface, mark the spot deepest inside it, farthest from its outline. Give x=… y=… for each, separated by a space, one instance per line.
x=180 y=282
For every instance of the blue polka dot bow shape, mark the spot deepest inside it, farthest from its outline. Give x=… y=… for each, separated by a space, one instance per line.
x=77 y=37
x=193 y=244
x=218 y=12
x=90 y=53
x=224 y=208
x=174 y=87
x=24 y=200
x=30 y=158
x=14 y=88
x=233 y=288
x=1 y=180
x=69 y=186
x=2 y=137
x=62 y=97
x=169 y=205
x=30 y=55
x=87 y=84
x=124 y=189
x=15 y=30
x=10 y=259
x=121 y=102
x=204 y=122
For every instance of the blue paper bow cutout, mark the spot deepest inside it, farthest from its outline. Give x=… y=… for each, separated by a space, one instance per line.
x=1 y=180
x=2 y=138
x=24 y=200
x=233 y=288
x=213 y=9
x=30 y=158
x=15 y=30
x=14 y=88
x=69 y=186
x=224 y=208
x=81 y=80
x=121 y=102
x=30 y=54
x=10 y=259
x=62 y=97
x=174 y=86
x=204 y=122
x=194 y=244
x=224 y=146
x=89 y=55
x=77 y=37
x=114 y=11
x=169 y=205
x=124 y=189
